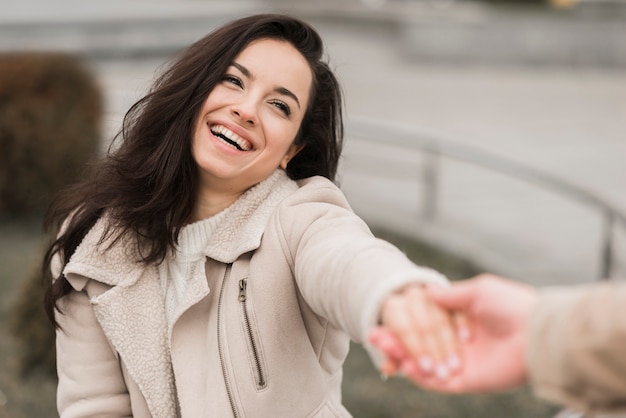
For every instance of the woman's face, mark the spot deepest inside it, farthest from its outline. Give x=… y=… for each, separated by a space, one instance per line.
x=248 y=123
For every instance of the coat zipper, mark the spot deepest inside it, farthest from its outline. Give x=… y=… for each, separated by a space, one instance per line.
x=219 y=343
x=243 y=297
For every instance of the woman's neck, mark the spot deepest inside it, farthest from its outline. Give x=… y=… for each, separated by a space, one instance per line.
x=210 y=204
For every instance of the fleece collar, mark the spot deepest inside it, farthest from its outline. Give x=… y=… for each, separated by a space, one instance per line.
x=239 y=232
x=242 y=229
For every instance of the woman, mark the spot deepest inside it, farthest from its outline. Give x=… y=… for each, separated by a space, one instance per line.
x=209 y=266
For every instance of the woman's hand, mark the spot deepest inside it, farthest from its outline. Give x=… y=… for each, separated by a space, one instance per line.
x=420 y=339
x=491 y=316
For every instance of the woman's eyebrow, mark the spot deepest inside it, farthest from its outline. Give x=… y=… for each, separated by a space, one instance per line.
x=280 y=90
x=243 y=69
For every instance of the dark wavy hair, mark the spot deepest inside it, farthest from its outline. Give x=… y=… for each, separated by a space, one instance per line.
x=147 y=184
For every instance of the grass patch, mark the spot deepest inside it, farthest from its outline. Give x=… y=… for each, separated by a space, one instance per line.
x=21 y=246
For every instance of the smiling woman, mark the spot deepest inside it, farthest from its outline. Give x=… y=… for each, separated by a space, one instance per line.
x=209 y=266
x=248 y=124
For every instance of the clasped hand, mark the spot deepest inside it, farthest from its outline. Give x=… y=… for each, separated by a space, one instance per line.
x=420 y=339
x=469 y=337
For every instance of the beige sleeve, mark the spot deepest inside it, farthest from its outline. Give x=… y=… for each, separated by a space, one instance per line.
x=90 y=377
x=342 y=270
x=577 y=346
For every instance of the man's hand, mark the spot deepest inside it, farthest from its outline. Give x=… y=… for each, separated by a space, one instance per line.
x=493 y=339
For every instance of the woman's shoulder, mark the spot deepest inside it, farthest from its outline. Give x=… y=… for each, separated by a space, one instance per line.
x=319 y=189
x=316 y=182
x=315 y=192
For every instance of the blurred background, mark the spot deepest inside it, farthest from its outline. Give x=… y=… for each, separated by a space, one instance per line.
x=481 y=136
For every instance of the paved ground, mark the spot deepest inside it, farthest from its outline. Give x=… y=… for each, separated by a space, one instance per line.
x=568 y=122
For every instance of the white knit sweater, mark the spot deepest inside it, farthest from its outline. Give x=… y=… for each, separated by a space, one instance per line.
x=178 y=269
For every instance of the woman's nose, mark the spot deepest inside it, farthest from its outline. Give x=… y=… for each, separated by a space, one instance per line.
x=246 y=112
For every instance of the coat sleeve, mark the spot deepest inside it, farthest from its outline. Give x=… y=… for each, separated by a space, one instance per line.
x=577 y=347
x=90 y=377
x=343 y=271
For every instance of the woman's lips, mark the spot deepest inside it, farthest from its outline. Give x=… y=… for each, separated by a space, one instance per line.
x=231 y=138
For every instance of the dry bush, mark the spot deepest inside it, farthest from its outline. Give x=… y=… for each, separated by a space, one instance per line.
x=50 y=114
x=50 y=111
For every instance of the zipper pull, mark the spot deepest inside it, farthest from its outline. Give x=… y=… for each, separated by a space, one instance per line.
x=243 y=283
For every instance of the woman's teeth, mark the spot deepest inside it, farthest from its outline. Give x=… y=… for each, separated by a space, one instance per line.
x=231 y=138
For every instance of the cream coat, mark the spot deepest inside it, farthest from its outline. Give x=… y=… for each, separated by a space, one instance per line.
x=264 y=326
x=577 y=347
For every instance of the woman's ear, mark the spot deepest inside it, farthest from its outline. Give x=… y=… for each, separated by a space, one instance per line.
x=291 y=152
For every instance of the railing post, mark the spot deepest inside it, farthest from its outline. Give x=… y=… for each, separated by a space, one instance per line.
x=430 y=181
x=607 y=246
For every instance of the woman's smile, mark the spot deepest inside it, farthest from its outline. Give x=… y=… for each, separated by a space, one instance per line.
x=230 y=138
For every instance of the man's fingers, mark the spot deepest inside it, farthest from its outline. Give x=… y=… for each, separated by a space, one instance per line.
x=457 y=297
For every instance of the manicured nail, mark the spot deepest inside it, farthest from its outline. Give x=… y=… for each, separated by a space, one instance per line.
x=454 y=363
x=426 y=364
x=442 y=372
x=464 y=334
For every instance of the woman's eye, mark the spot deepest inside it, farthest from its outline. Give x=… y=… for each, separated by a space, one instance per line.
x=233 y=80
x=282 y=106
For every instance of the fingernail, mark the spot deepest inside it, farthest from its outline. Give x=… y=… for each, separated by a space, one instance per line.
x=454 y=363
x=442 y=372
x=384 y=376
x=426 y=364
x=464 y=334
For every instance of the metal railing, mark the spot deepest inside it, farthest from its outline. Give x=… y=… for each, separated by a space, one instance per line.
x=434 y=147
